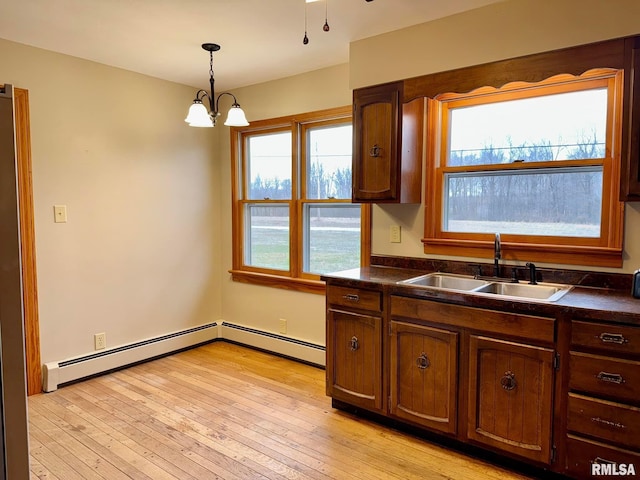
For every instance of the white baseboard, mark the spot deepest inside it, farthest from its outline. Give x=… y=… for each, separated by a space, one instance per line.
x=60 y=373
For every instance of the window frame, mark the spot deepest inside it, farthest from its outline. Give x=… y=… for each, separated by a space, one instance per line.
x=295 y=278
x=604 y=251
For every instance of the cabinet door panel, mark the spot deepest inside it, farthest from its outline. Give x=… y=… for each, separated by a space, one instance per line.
x=354 y=358
x=376 y=126
x=424 y=375
x=510 y=396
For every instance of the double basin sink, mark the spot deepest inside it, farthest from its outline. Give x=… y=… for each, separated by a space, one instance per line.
x=546 y=292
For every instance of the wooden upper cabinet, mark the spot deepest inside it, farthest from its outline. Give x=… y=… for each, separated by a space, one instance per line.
x=511 y=397
x=387 y=146
x=630 y=174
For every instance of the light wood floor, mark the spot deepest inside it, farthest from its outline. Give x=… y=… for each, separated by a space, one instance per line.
x=224 y=412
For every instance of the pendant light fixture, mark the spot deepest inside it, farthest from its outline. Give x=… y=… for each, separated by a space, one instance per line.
x=199 y=116
x=325 y=27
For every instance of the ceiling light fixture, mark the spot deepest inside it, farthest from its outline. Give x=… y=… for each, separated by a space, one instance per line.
x=199 y=116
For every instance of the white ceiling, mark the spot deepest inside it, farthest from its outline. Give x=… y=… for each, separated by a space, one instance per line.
x=261 y=40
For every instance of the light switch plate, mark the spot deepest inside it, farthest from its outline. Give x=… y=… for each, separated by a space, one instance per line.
x=60 y=213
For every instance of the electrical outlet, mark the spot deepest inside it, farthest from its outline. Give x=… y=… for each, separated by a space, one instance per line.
x=283 y=325
x=394 y=234
x=100 y=341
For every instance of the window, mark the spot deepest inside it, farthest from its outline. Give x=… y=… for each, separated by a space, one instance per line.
x=292 y=210
x=537 y=163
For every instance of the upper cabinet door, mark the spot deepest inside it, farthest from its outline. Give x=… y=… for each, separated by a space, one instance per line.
x=387 y=150
x=630 y=175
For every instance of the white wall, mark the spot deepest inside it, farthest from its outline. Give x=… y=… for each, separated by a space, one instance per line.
x=140 y=253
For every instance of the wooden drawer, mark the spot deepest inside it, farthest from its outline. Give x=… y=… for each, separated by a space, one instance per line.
x=488 y=321
x=614 y=422
x=610 y=377
x=581 y=453
x=616 y=339
x=355 y=298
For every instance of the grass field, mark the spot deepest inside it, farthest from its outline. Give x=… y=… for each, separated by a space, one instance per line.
x=331 y=247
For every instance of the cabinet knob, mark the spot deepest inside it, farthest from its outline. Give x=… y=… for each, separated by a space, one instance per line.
x=375 y=151
x=422 y=361
x=508 y=381
x=353 y=343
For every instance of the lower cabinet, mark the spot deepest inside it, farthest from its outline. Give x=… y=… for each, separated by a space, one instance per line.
x=603 y=402
x=475 y=375
x=511 y=396
x=424 y=375
x=354 y=358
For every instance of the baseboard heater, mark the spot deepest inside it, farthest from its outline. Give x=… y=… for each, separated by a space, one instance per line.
x=56 y=374
x=307 y=352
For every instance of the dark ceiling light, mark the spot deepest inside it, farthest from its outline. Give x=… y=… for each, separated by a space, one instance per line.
x=199 y=116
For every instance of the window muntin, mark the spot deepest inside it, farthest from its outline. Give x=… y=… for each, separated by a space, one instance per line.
x=293 y=217
x=590 y=157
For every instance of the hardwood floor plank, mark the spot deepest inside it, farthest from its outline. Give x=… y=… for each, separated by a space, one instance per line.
x=216 y=464
x=226 y=412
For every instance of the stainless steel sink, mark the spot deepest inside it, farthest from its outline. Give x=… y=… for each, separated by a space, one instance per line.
x=542 y=291
x=547 y=292
x=447 y=281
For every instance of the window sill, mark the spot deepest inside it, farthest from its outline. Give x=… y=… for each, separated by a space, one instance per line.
x=545 y=253
x=275 y=281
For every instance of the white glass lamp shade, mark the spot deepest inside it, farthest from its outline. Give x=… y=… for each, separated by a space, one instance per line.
x=236 y=117
x=198 y=116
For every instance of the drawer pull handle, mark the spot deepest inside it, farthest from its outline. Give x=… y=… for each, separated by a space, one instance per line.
x=616 y=338
x=353 y=343
x=422 y=361
x=608 y=423
x=600 y=460
x=610 y=377
x=375 y=151
x=351 y=297
x=508 y=381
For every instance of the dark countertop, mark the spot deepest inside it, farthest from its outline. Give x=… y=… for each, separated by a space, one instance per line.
x=605 y=304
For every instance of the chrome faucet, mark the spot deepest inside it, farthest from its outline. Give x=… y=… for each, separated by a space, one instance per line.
x=497 y=254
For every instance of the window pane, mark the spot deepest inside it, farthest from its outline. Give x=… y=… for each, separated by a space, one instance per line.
x=267 y=236
x=269 y=166
x=332 y=237
x=563 y=126
x=548 y=202
x=329 y=162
